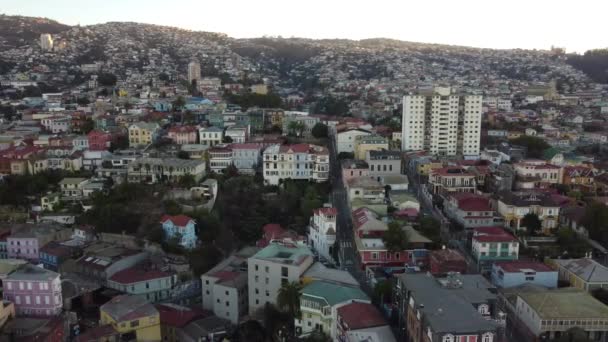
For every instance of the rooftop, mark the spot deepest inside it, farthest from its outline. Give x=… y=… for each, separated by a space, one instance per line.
x=587 y=269
x=384 y=155
x=318 y=271
x=128 y=307
x=565 y=303
x=332 y=293
x=354 y=164
x=31 y=272
x=361 y=315
x=492 y=234
x=138 y=274
x=284 y=254
x=178 y=220
x=177 y=315
x=522 y=266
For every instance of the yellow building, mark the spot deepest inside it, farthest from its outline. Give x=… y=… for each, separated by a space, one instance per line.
x=365 y=143
x=585 y=273
x=426 y=168
x=142 y=133
x=260 y=89
x=130 y=314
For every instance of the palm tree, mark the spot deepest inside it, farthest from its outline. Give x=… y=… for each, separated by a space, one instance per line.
x=288 y=299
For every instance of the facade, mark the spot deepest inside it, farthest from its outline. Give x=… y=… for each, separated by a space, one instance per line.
x=270 y=268
x=26 y=244
x=307 y=123
x=153 y=170
x=153 y=284
x=507 y=274
x=585 y=274
x=34 y=290
x=369 y=230
x=578 y=175
x=194 y=71
x=366 y=143
x=537 y=172
x=359 y=320
x=247 y=158
x=352 y=168
x=72 y=188
x=448 y=180
x=514 y=206
x=300 y=161
x=442 y=122
x=549 y=314
x=490 y=244
x=183 y=135
x=181 y=227
x=345 y=140
x=101 y=261
x=383 y=163
x=238 y=134
x=142 y=134
x=46 y=42
x=469 y=210
x=129 y=314
x=319 y=302
x=322 y=231
x=210 y=136
x=450 y=309
x=98 y=140
x=220 y=157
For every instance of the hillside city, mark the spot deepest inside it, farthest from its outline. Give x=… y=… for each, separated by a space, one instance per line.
x=161 y=184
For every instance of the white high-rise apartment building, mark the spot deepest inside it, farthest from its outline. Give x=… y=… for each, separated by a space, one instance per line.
x=441 y=122
x=46 y=42
x=194 y=71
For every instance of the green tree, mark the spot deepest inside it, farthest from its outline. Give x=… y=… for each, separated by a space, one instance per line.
x=395 y=238
x=288 y=298
x=531 y=222
x=172 y=207
x=383 y=290
x=431 y=228
x=227 y=139
x=183 y=155
x=594 y=220
x=179 y=103
x=87 y=126
x=203 y=258
x=187 y=181
x=295 y=128
x=106 y=79
x=536 y=146
x=250 y=331
x=320 y=130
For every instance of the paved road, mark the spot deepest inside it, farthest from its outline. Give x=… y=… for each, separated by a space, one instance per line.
x=345 y=235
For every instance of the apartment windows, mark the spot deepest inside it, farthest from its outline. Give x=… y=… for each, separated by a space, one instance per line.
x=284 y=272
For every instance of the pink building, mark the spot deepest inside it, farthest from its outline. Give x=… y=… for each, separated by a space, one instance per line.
x=23 y=245
x=34 y=290
x=354 y=168
x=99 y=141
x=183 y=134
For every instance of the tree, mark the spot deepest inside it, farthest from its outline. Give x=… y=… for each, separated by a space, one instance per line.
x=295 y=128
x=163 y=77
x=320 y=130
x=106 y=79
x=203 y=258
x=87 y=126
x=536 y=146
x=227 y=139
x=183 y=155
x=531 y=222
x=395 y=238
x=288 y=298
x=179 y=103
x=431 y=228
x=83 y=101
x=573 y=335
x=383 y=290
x=250 y=331
x=317 y=336
x=594 y=220
x=187 y=181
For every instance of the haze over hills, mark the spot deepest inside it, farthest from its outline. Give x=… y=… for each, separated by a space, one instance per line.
x=286 y=60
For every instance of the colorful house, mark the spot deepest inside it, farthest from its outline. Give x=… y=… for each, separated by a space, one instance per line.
x=129 y=314
x=180 y=226
x=153 y=284
x=34 y=290
x=183 y=134
x=490 y=244
x=142 y=133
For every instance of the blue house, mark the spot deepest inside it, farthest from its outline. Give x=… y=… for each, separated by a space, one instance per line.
x=162 y=106
x=507 y=274
x=53 y=254
x=180 y=226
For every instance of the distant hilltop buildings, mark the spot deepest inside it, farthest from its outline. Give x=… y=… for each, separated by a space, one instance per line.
x=46 y=42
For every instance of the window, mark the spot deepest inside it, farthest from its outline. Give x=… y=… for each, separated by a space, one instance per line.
x=134 y=323
x=284 y=272
x=9 y=285
x=267 y=269
x=37 y=299
x=484 y=309
x=27 y=299
x=20 y=285
x=29 y=285
x=17 y=300
x=47 y=300
x=487 y=337
x=227 y=303
x=448 y=338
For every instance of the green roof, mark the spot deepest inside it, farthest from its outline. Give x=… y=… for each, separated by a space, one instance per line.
x=333 y=293
x=565 y=303
x=283 y=253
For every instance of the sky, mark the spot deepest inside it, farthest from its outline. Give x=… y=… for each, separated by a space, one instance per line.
x=530 y=24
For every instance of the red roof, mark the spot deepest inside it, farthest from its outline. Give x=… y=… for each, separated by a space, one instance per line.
x=225 y=275
x=361 y=315
x=472 y=202
x=326 y=211
x=136 y=274
x=492 y=234
x=247 y=146
x=179 y=220
x=296 y=148
x=446 y=255
x=178 y=316
x=407 y=212
x=519 y=266
x=452 y=171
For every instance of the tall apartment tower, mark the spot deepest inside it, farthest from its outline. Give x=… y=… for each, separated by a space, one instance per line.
x=46 y=42
x=194 y=71
x=442 y=123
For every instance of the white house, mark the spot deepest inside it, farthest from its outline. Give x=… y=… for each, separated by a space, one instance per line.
x=322 y=231
x=210 y=136
x=345 y=140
